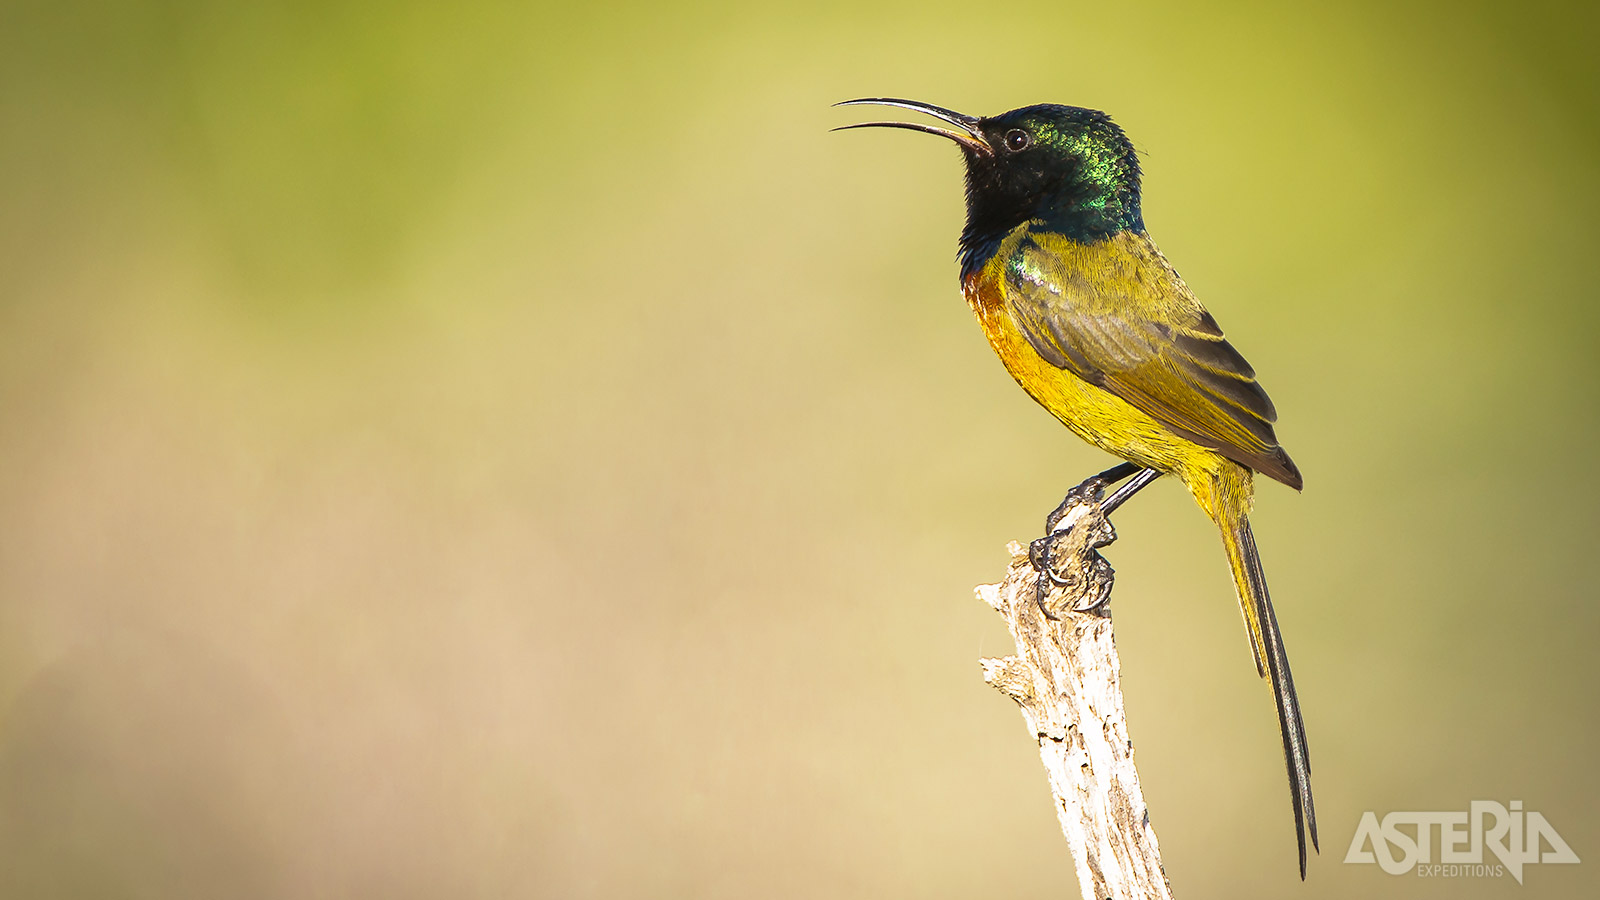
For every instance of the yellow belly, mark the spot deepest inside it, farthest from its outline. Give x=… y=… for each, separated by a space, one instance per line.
x=1094 y=414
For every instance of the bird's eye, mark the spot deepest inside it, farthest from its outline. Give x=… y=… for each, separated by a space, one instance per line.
x=1017 y=139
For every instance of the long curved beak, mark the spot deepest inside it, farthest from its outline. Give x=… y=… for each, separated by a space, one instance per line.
x=969 y=136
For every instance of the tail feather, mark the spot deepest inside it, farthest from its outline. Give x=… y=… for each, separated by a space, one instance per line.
x=1272 y=663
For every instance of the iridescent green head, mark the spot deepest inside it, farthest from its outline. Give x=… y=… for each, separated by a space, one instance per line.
x=1071 y=169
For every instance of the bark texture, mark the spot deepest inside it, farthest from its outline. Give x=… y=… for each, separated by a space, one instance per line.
x=1066 y=679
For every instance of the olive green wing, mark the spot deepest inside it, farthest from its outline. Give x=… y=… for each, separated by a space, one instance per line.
x=1121 y=319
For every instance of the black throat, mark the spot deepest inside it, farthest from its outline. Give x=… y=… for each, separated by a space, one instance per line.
x=1000 y=199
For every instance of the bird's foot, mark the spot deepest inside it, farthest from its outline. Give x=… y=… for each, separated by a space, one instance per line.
x=1066 y=557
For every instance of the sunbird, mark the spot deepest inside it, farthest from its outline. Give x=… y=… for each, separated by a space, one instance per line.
x=1093 y=322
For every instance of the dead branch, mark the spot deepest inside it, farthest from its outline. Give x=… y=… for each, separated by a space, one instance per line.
x=1066 y=678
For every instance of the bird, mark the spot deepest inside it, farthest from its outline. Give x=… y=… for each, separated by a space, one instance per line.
x=1095 y=324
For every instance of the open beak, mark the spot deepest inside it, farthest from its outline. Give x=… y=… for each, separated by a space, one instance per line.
x=969 y=136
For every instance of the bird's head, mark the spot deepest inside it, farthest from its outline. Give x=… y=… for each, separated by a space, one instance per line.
x=1071 y=169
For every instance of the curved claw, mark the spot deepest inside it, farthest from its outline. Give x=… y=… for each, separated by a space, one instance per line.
x=1039 y=556
x=1093 y=606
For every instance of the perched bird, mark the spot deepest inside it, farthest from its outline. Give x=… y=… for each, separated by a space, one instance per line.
x=1094 y=323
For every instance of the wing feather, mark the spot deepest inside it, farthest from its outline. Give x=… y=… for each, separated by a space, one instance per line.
x=1130 y=325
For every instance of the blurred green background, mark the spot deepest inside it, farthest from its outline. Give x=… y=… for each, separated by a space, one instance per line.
x=488 y=450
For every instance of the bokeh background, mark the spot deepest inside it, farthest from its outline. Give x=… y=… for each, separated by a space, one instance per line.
x=514 y=450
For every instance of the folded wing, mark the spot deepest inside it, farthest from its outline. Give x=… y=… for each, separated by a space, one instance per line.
x=1117 y=316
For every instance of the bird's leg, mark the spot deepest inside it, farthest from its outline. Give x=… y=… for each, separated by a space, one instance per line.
x=1123 y=494
x=1041 y=551
x=1109 y=477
